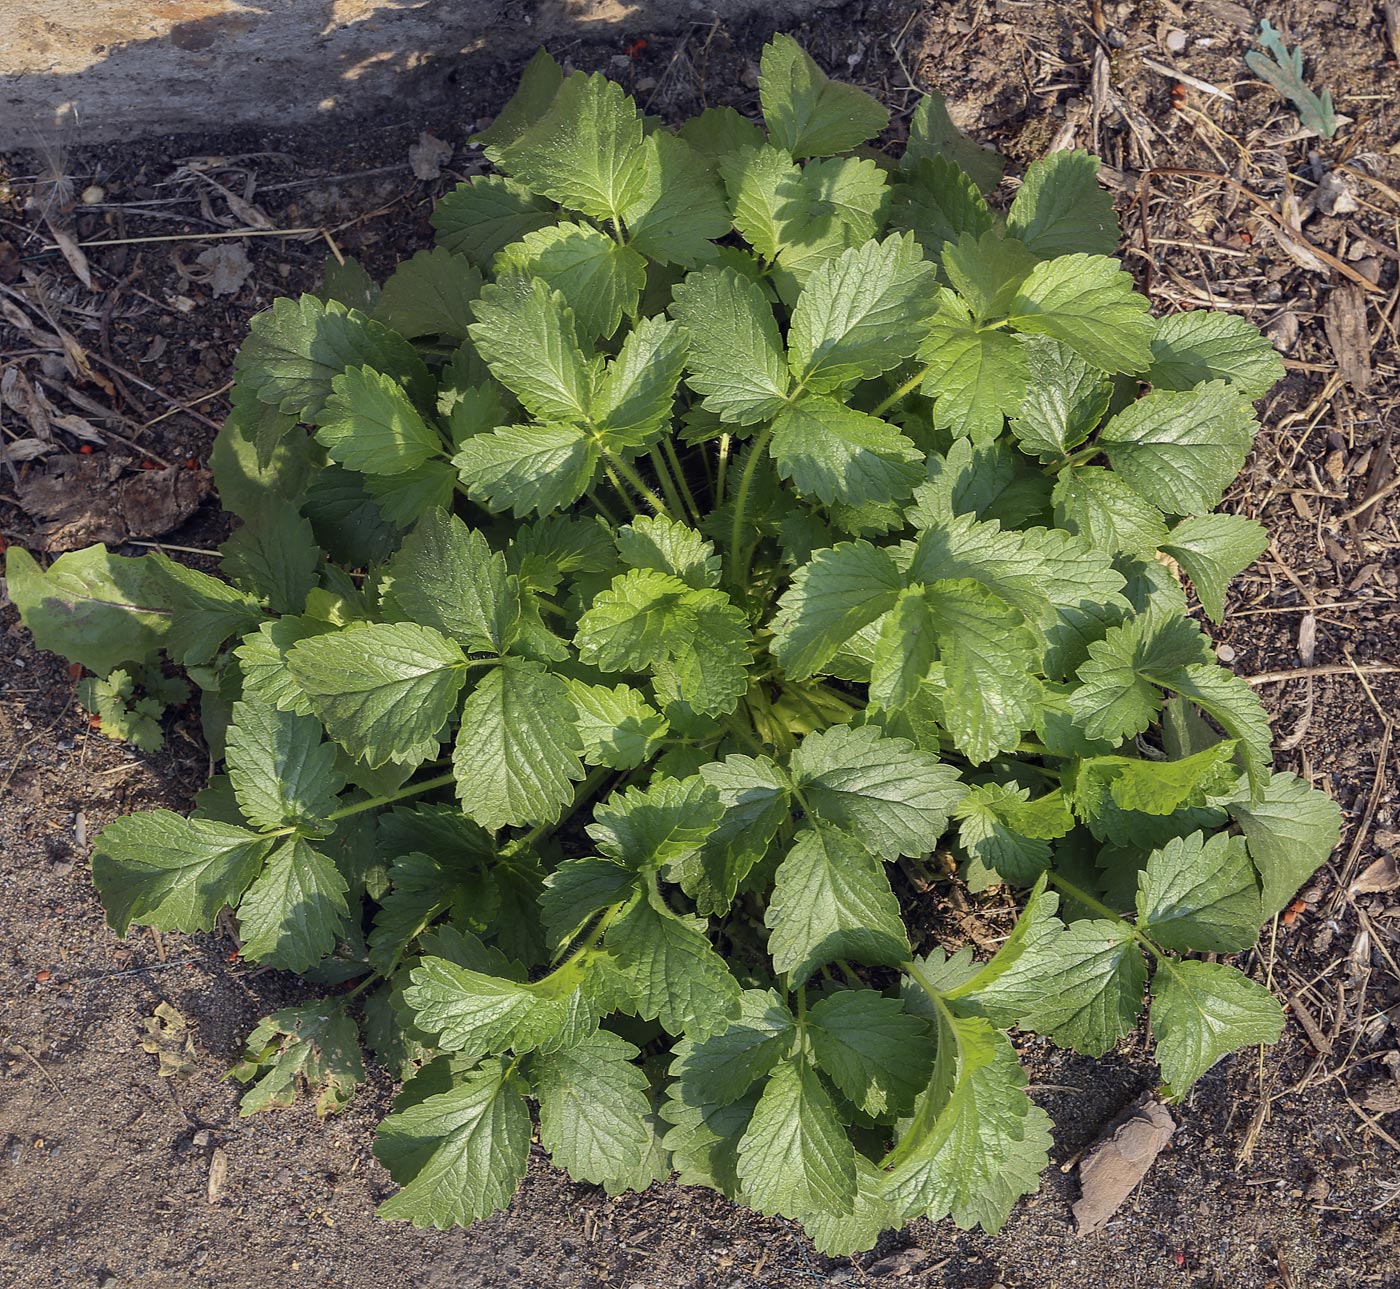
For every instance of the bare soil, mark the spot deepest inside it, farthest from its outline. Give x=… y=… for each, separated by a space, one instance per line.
x=1285 y=1170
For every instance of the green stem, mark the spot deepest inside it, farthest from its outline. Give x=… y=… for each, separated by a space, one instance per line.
x=597 y=503
x=411 y=790
x=623 y=494
x=903 y=391
x=614 y=462
x=669 y=449
x=1074 y=458
x=1092 y=902
x=668 y=484
x=738 y=559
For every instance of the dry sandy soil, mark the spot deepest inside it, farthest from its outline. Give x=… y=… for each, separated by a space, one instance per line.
x=1286 y=1168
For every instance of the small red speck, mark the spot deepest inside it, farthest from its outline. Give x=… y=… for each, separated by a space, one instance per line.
x=234 y=955
x=86 y=449
x=1179 y=1258
x=75 y=670
x=94 y=722
x=191 y=464
x=635 y=48
x=1246 y=237
x=44 y=975
x=1178 y=95
x=148 y=465
x=1289 y=918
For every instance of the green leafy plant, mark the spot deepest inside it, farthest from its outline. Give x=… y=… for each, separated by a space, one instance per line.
x=713 y=520
x=1282 y=68
x=120 y=714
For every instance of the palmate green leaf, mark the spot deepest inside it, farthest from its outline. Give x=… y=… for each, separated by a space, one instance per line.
x=1101 y=507
x=860 y=315
x=906 y=650
x=600 y=279
x=654 y=542
x=317 y=1044
x=1182 y=450
x=525 y=331
x=256 y=460
x=723 y=1067
x=1290 y=829
x=1061 y=208
x=977 y=377
x=807 y=113
x=765 y=189
x=875 y=1052
x=704 y=1140
x=1200 y=893
x=1201 y=1012
x=938 y=202
x=1118 y=697
x=894 y=799
x=1212 y=549
x=275 y=557
x=1088 y=303
x=290 y=917
x=976 y=1143
x=1190 y=349
x=204 y=611
x=696 y=641
x=295 y=350
x=657 y=825
x=346 y=521
x=617 y=726
x=675 y=976
x=525 y=468
x=262 y=660
x=430 y=295
x=755 y=794
x=988 y=692
x=986 y=271
x=478 y=218
x=736 y=361
x=593 y=1108
x=632 y=405
x=680 y=208
x=383 y=692
x=932 y=135
x=1229 y=701
x=832 y=900
x=173 y=873
x=1081 y=986
x=1065 y=400
x=459 y=1154
x=839 y=1235
x=841 y=590
x=368 y=424
x=586 y=151
x=831 y=207
x=1155 y=787
x=580 y=888
x=93 y=607
x=282 y=771
x=446 y=576
x=539 y=83
x=836 y=453
x=517 y=754
x=348 y=281
x=718 y=131
x=999 y=851
x=796 y=1159
x=476 y=1014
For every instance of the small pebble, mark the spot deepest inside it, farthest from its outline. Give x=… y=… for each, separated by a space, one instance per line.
x=1176 y=40
x=1225 y=653
x=93 y=194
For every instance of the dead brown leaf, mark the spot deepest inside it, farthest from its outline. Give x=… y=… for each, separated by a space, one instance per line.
x=1382 y=874
x=1349 y=336
x=218 y=1173
x=72 y=252
x=1119 y=1161
x=84 y=499
x=169 y=1039
x=227 y=265
x=428 y=156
